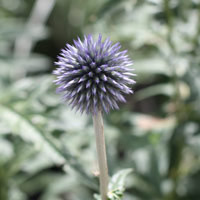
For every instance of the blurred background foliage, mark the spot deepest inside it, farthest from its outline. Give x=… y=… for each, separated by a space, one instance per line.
x=47 y=151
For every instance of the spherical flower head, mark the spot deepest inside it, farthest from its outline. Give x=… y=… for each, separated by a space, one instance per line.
x=93 y=75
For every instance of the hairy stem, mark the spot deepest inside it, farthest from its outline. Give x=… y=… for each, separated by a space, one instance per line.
x=101 y=154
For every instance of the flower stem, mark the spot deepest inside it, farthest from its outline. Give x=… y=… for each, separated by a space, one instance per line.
x=101 y=154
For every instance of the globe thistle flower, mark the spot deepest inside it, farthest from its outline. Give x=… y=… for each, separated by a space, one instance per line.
x=93 y=75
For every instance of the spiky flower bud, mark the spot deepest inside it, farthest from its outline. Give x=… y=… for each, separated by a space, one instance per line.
x=93 y=75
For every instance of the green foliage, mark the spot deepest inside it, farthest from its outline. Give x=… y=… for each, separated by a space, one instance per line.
x=47 y=151
x=116 y=186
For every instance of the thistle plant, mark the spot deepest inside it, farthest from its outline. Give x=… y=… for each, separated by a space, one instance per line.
x=93 y=76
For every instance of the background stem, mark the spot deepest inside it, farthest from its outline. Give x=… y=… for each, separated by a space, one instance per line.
x=101 y=154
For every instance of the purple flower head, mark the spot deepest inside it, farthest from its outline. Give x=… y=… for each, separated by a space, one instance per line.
x=93 y=75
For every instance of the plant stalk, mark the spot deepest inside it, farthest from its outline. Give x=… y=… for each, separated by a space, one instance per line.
x=101 y=154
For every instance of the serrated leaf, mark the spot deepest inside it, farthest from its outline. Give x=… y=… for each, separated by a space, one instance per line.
x=118 y=179
x=97 y=197
x=28 y=131
x=116 y=185
x=22 y=126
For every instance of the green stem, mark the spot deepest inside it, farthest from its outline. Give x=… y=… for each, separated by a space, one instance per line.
x=101 y=154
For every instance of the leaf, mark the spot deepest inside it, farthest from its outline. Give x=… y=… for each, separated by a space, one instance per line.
x=118 y=180
x=159 y=89
x=152 y=65
x=28 y=131
x=6 y=149
x=97 y=197
x=22 y=126
x=116 y=185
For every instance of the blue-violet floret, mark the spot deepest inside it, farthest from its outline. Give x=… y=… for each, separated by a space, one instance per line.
x=93 y=75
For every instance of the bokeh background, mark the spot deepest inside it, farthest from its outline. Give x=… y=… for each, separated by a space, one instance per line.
x=47 y=151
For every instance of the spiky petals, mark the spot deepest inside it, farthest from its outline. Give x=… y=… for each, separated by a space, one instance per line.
x=93 y=75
